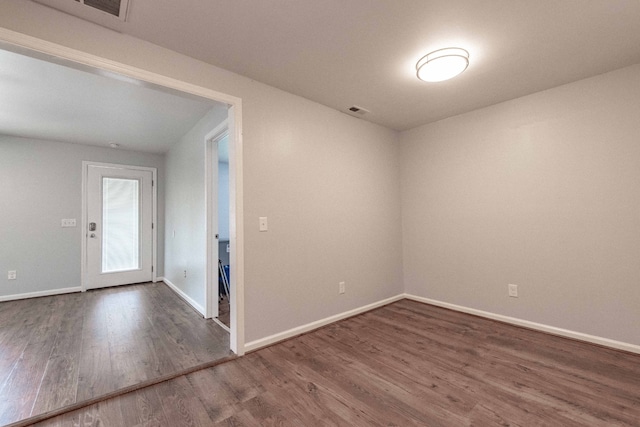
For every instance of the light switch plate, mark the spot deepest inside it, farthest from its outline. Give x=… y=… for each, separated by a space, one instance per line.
x=263 y=223
x=70 y=222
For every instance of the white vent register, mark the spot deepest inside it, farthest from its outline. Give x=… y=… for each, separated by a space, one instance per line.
x=92 y=10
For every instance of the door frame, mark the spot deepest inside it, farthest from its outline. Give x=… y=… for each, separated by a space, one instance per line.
x=85 y=219
x=211 y=140
x=53 y=52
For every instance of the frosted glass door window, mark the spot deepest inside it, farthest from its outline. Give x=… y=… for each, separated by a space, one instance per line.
x=120 y=224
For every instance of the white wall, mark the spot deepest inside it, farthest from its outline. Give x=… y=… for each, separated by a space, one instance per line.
x=40 y=184
x=223 y=211
x=328 y=183
x=223 y=194
x=542 y=192
x=185 y=209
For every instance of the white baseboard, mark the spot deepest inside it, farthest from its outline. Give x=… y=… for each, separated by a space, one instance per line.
x=184 y=296
x=532 y=325
x=281 y=336
x=40 y=294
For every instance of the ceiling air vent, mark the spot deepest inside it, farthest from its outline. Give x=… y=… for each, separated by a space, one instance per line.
x=112 y=7
x=92 y=10
x=358 y=110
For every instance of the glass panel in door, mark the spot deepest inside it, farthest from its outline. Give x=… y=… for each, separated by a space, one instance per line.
x=120 y=224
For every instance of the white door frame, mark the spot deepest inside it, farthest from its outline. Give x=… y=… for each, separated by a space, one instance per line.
x=85 y=219
x=52 y=52
x=211 y=211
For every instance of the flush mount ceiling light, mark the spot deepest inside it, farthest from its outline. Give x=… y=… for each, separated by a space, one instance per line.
x=442 y=64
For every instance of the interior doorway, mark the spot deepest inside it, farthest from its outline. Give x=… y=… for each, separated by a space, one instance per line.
x=72 y=58
x=218 y=212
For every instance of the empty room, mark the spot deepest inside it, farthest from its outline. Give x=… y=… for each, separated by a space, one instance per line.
x=418 y=212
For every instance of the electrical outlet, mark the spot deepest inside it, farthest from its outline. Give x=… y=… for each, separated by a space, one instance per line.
x=185 y=273
x=513 y=291
x=12 y=275
x=341 y=288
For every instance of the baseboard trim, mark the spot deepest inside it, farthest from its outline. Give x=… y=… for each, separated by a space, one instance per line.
x=281 y=336
x=222 y=325
x=40 y=294
x=606 y=342
x=184 y=296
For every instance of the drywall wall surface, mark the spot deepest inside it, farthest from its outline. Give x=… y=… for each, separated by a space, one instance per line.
x=223 y=198
x=541 y=192
x=329 y=187
x=327 y=182
x=185 y=218
x=41 y=184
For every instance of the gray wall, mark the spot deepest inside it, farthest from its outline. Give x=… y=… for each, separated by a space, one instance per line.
x=185 y=209
x=40 y=184
x=541 y=192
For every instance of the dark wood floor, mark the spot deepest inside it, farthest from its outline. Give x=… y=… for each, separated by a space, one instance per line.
x=406 y=364
x=55 y=351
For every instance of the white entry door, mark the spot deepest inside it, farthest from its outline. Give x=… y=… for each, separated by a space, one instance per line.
x=119 y=226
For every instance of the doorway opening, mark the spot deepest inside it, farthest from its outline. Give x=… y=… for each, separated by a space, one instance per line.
x=54 y=53
x=218 y=211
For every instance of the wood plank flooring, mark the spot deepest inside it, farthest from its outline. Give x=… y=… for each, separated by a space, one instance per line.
x=224 y=311
x=59 y=350
x=406 y=364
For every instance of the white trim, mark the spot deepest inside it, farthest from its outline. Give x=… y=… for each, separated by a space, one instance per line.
x=11 y=40
x=184 y=296
x=40 y=294
x=236 y=229
x=222 y=325
x=84 y=220
x=272 y=339
x=211 y=140
x=22 y=43
x=606 y=342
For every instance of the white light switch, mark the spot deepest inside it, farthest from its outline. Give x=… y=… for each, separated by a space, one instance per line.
x=263 y=223
x=71 y=222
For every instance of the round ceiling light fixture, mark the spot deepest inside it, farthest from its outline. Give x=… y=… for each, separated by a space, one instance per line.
x=442 y=64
